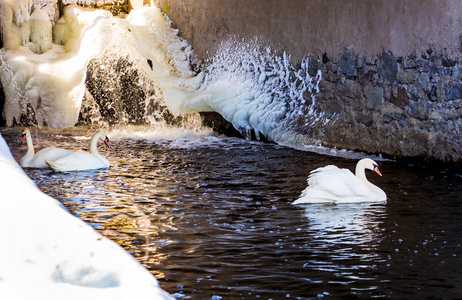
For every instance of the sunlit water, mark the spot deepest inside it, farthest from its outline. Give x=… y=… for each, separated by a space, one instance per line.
x=219 y=224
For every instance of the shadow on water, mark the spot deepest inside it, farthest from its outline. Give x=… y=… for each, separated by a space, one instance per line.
x=212 y=216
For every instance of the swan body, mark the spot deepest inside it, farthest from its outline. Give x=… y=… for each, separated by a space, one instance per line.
x=37 y=160
x=334 y=185
x=79 y=161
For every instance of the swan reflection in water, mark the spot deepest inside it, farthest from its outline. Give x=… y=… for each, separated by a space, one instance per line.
x=350 y=234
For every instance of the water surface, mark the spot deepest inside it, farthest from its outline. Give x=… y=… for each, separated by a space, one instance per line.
x=219 y=223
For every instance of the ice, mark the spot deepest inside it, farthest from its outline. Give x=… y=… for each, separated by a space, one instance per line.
x=61 y=32
x=52 y=83
x=11 y=33
x=41 y=31
x=157 y=40
x=22 y=10
x=47 y=253
x=256 y=90
x=259 y=92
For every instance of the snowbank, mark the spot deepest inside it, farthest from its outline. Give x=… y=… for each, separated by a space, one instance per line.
x=46 y=253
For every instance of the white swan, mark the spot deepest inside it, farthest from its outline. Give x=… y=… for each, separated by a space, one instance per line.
x=78 y=161
x=37 y=160
x=334 y=185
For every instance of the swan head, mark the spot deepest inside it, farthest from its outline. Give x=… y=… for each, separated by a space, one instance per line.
x=370 y=164
x=102 y=136
x=106 y=141
x=25 y=133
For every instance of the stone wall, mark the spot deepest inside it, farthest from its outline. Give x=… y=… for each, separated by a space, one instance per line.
x=391 y=69
x=402 y=106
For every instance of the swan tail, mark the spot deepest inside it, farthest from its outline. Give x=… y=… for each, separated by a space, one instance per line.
x=51 y=164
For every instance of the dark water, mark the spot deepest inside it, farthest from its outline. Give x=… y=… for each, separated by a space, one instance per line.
x=222 y=225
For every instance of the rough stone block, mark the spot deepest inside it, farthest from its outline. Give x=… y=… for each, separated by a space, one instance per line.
x=347 y=66
x=401 y=98
x=374 y=98
x=454 y=92
x=388 y=67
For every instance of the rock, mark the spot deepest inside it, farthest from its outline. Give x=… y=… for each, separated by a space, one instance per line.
x=400 y=99
x=347 y=65
x=389 y=117
x=448 y=63
x=365 y=77
x=418 y=109
x=389 y=67
x=424 y=78
x=407 y=76
x=375 y=98
x=454 y=92
x=434 y=115
x=2 y=103
x=431 y=94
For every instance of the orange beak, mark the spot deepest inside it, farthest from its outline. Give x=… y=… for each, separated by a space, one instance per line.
x=23 y=138
x=106 y=141
x=376 y=170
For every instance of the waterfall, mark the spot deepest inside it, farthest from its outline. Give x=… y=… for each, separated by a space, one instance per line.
x=103 y=69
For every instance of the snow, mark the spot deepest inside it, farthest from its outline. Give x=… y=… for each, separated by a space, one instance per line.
x=46 y=253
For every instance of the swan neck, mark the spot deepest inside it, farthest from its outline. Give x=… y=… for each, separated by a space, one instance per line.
x=361 y=172
x=94 y=144
x=30 y=146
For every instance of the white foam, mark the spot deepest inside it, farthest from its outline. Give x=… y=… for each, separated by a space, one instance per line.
x=158 y=133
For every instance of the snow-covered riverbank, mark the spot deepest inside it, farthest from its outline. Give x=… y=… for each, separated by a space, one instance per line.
x=46 y=253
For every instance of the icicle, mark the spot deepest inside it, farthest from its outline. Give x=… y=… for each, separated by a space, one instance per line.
x=21 y=9
x=41 y=31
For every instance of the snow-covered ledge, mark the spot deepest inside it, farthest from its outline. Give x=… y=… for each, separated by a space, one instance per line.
x=46 y=253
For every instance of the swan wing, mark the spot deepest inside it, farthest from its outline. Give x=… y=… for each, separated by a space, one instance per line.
x=50 y=153
x=332 y=184
x=78 y=161
x=339 y=182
